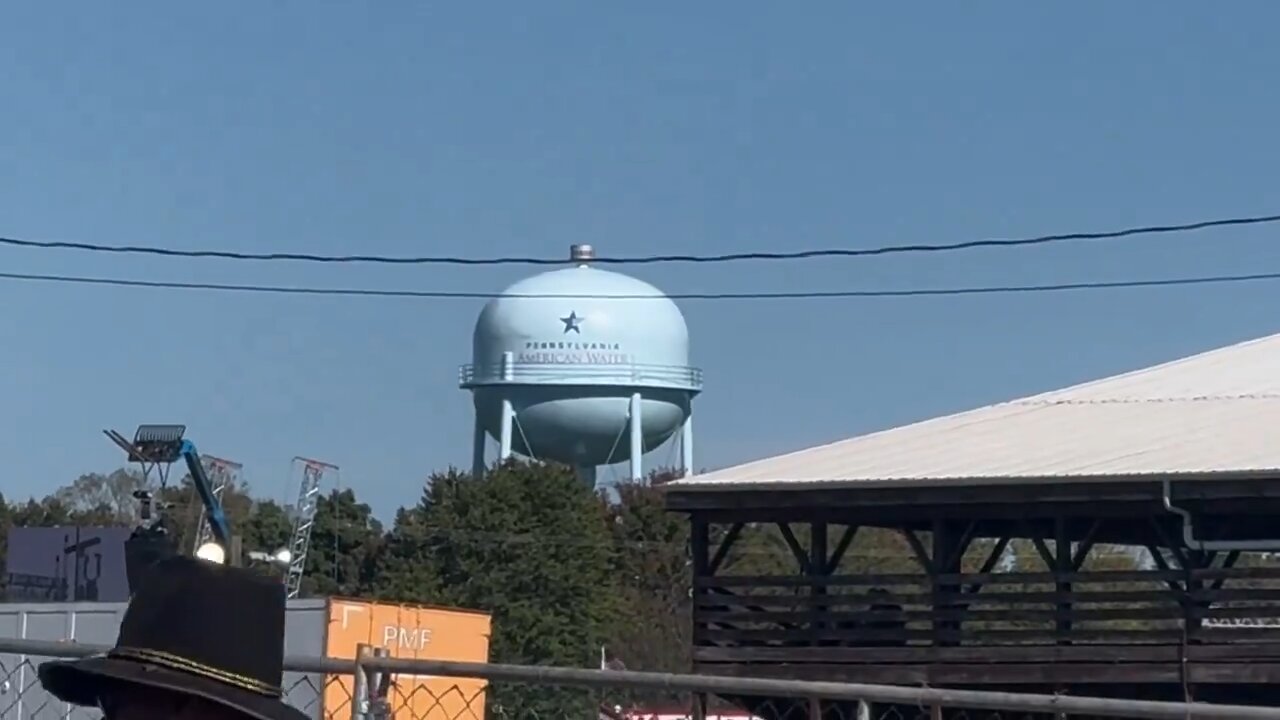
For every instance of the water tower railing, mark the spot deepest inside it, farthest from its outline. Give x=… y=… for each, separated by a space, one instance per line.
x=669 y=376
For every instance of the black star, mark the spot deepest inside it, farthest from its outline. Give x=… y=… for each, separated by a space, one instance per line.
x=572 y=322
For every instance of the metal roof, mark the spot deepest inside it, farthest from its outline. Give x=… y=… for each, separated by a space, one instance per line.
x=1213 y=413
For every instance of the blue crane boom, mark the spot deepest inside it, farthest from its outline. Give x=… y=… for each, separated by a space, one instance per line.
x=212 y=507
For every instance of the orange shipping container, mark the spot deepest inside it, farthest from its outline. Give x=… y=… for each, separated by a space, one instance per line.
x=410 y=631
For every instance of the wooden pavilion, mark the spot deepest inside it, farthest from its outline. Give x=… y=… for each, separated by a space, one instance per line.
x=1179 y=463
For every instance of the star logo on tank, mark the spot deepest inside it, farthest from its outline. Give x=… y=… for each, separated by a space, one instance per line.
x=572 y=323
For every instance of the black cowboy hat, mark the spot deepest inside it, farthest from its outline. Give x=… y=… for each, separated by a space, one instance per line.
x=194 y=628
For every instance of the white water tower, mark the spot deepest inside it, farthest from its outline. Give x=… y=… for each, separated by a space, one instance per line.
x=583 y=366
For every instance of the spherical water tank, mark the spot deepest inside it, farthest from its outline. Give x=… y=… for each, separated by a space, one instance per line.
x=568 y=349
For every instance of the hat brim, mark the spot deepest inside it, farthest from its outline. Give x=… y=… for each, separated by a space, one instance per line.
x=79 y=682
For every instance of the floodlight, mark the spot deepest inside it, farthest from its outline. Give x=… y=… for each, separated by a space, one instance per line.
x=212 y=552
x=283 y=556
x=159 y=443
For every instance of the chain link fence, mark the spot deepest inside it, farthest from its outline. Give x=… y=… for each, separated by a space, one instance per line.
x=375 y=687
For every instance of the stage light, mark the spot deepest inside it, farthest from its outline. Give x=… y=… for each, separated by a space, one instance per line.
x=212 y=552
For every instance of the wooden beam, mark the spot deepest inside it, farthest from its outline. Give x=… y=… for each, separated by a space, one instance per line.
x=1228 y=562
x=1269 y=572
x=797 y=550
x=1063 y=565
x=996 y=655
x=917 y=547
x=961 y=546
x=722 y=552
x=1037 y=674
x=842 y=546
x=1096 y=496
x=993 y=557
x=1086 y=545
x=818 y=561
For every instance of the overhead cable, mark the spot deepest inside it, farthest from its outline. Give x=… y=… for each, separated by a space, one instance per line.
x=644 y=259
x=784 y=295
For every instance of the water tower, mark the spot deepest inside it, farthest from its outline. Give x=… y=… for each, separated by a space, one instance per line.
x=582 y=366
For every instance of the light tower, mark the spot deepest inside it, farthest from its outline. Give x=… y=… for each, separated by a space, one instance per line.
x=583 y=366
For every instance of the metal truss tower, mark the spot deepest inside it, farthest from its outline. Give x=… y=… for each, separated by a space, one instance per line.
x=304 y=519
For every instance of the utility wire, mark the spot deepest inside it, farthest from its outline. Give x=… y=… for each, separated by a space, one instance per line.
x=792 y=295
x=644 y=259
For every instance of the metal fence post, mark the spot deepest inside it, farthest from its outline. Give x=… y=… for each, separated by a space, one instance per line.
x=379 y=685
x=864 y=710
x=360 y=684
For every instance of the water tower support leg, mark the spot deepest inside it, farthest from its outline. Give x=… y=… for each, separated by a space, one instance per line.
x=637 y=436
x=686 y=446
x=478 y=442
x=504 y=439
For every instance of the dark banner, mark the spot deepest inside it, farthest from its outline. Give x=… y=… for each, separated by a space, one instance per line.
x=66 y=564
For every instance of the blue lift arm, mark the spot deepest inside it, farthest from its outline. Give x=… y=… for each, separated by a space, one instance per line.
x=212 y=508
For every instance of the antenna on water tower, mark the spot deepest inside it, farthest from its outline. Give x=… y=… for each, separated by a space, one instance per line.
x=582 y=366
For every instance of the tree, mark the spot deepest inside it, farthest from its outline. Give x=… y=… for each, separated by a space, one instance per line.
x=268 y=527
x=345 y=544
x=404 y=569
x=529 y=543
x=654 y=578
x=103 y=499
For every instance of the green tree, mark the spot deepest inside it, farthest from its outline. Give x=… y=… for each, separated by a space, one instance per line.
x=345 y=544
x=103 y=499
x=654 y=579
x=405 y=567
x=531 y=544
x=267 y=528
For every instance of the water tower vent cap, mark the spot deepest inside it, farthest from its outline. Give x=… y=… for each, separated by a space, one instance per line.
x=581 y=253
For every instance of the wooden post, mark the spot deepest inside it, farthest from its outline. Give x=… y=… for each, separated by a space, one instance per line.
x=699 y=706
x=235 y=553
x=940 y=552
x=1063 y=564
x=818 y=571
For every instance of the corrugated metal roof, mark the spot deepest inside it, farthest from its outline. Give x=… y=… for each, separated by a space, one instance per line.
x=1216 y=412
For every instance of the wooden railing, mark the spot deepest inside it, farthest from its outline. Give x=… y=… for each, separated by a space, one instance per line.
x=1156 y=606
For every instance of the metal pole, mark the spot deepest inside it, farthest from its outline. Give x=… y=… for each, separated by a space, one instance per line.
x=508 y=410
x=725 y=685
x=505 y=431
x=479 y=440
x=637 y=436
x=360 y=684
x=686 y=444
x=888 y=694
x=378 y=684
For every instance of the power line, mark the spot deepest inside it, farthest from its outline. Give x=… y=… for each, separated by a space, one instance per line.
x=644 y=259
x=793 y=295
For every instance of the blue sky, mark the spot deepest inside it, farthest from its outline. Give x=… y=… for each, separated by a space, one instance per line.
x=501 y=128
